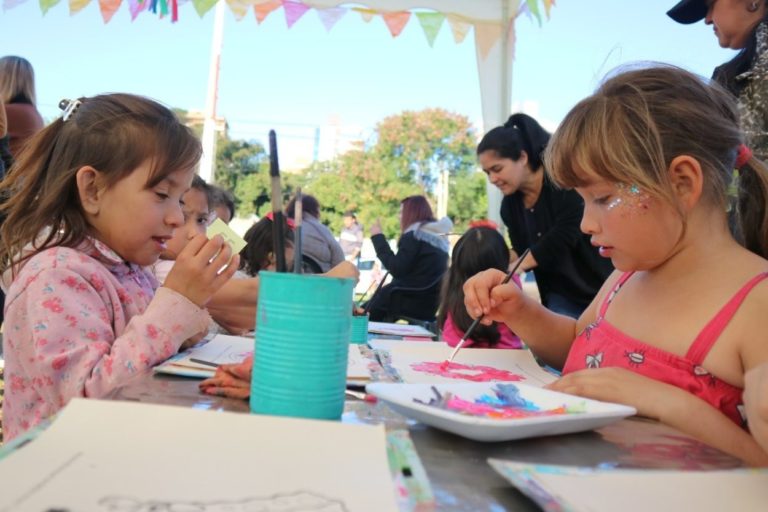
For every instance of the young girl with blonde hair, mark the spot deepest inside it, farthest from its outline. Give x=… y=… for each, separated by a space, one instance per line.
x=92 y=202
x=674 y=329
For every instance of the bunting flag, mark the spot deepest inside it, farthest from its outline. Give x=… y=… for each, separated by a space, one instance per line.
x=487 y=33
x=329 y=17
x=75 y=6
x=366 y=14
x=108 y=9
x=459 y=27
x=44 y=5
x=263 y=10
x=396 y=21
x=431 y=23
x=293 y=11
x=239 y=8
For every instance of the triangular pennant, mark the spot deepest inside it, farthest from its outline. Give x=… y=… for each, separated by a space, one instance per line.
x=10 y=4
x=108 y=9
x=44 y=5
x=153 y=6
x=239 y=8
x=366 y=14
x=486 y=35
x=548 y=6
x=431 y=22
x=329 y=17
x=163 y=8
x=174 y=11
x=294 y=11
x=201 y=6
x=135 y=7
x=396 y=21
x=533 y=6
x=263 y=10
x=75 y=6
x=459 y=27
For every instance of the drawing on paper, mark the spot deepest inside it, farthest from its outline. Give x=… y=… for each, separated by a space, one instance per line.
x=505 y=404
x=298 y=501
x=471 y=372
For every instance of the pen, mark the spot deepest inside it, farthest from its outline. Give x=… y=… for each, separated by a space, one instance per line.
x=203 y=362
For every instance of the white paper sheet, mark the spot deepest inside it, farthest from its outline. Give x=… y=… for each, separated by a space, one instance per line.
x=558 y=488
x=221 y=349
x=108 y=456
x=404 y=354
x=398 y=329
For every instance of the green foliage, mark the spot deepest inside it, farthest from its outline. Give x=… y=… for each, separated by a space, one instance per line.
x=410 y=150
x=418 y=145
x=468 y=200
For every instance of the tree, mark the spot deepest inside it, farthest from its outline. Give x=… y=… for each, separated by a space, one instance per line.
x=419 y=145
x=468 y=200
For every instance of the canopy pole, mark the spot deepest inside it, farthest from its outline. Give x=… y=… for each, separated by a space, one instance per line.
x=209 y=123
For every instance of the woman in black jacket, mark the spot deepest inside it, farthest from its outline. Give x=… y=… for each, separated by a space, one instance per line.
x=418 y=267
x=568 y=269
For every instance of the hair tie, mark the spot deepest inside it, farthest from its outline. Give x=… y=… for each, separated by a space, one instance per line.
x=288 y=220
x=483 y=223
x=69 y=107
x=743 y=156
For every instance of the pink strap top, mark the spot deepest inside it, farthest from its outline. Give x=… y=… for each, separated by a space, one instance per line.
x=601 y=344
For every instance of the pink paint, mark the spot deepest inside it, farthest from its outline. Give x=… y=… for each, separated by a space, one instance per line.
x=471 y=372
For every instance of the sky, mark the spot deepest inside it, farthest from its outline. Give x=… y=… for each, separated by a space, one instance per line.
x=306 y=81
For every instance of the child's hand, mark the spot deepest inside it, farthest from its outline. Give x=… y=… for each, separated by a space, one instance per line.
x=197 y=274
x=344 y=269
x=617 y=385
x=485 y=295
x=231 y=380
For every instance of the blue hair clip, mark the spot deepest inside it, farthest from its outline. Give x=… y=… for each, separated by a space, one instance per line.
x=69 y=107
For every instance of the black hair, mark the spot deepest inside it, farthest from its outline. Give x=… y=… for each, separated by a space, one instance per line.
x=520 y=133
x=259 y=245
x=478 y=249
x=221 y=197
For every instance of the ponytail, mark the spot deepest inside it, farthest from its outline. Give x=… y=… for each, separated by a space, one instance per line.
x=534 y=137
x=752 y=205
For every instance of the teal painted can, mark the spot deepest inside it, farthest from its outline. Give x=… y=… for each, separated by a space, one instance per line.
x=359 y=329
x=302 y=341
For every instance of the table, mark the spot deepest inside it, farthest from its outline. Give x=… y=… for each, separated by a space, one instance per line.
x=461 y=478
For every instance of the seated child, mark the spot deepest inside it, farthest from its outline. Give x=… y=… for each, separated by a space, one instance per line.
x=93 y=200
x=480 y=248
x=674 y=329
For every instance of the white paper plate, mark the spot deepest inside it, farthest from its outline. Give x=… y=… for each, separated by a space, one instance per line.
x=401 y=398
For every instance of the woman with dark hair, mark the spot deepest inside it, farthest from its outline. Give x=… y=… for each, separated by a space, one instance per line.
x=418 y=266
x=739 y=25
x=317 y=241
x=568 y=269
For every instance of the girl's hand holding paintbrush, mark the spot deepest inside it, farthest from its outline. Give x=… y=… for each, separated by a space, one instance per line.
x=488 y=295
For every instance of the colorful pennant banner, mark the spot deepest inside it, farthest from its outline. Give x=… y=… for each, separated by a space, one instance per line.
x=487 y=32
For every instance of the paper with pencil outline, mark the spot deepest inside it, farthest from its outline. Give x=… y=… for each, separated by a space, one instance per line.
x=221 y=349
x=138 y=453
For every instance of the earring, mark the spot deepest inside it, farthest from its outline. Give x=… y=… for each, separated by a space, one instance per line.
x=753 y=6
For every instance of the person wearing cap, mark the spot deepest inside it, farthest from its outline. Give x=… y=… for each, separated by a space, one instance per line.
x=351 y=237
x=739 y=25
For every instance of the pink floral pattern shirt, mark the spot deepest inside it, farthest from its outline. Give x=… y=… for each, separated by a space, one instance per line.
x=79 y=323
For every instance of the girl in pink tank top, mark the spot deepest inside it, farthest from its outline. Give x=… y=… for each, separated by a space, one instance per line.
x=673 y=330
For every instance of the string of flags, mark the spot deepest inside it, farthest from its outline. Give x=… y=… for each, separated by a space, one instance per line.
x=395 y=21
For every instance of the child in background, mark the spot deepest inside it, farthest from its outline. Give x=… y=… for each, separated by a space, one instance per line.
x=258 y=254
x=222 y=203
x=480 y=248
x=197 y=217
x=92 y=202
x=674 y=329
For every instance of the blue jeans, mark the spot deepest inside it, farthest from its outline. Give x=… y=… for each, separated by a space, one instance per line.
x=563 y=306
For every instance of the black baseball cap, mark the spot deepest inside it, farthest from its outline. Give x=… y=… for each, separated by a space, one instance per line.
x=688 y=11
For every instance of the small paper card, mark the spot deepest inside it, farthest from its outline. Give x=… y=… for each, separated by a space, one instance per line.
x=233 y=239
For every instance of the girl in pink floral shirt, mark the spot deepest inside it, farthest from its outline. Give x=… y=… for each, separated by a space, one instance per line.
x=92 y=201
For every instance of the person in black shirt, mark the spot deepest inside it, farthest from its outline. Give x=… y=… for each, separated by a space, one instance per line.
x=568 y=269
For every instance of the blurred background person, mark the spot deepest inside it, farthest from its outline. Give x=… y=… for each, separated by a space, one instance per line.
x=222 y=203
x=319 y=247
x=351 y=237
x=17 y=92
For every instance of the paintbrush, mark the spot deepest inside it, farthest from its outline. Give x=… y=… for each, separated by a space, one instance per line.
x=362 y=298
x=381 y=283
x=298 y=215
x=474 y=324
x=278 y=235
